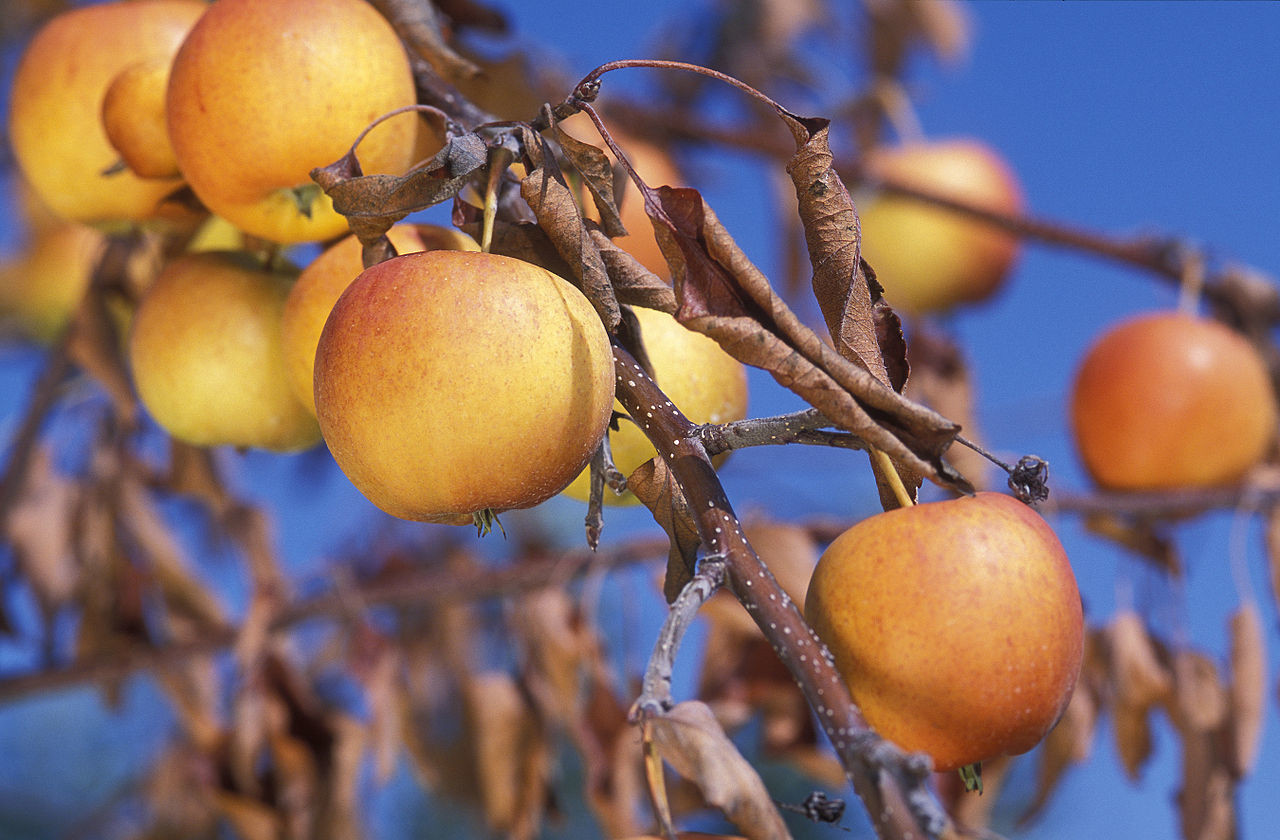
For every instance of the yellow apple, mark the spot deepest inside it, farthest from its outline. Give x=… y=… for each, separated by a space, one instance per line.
x=207 y=358
x=448 y=383
x=929 y=259
x=133 y=117
x=55 y=118
x=41 y=288
x=324 y=280
x=263 y=92
x=706 y=383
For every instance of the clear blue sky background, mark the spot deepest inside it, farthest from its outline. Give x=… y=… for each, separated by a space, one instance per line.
x=1120 y=116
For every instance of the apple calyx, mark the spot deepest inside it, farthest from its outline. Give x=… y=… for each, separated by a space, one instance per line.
x=303 y=196
x=484 y=520
x=971 y=775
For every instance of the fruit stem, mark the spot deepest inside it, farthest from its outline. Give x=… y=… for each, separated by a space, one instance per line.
x=899 y=111
x=885 y=463
x=500 y=158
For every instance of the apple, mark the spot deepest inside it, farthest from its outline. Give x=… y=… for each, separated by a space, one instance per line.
x=41 y=288
x=929 y=259
x=55 y=117
x=1167 y=400
x=324 y=280
x=957 y=625
x=448 y=383
x=263 y=92
x=706 y=383
x=133 y=117
x=207 y=358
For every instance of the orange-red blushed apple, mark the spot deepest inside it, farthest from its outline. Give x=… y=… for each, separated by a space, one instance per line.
x=55 y=117
x=448 y=383
x=929 y=259
x=957 y=625
x=41 y=288
x=263 y=92
x=707 y=384
x=207 y=359
x=1167 y=400
x=324 y=280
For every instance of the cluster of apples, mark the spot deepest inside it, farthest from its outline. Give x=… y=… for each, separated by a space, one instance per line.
x=447 y=382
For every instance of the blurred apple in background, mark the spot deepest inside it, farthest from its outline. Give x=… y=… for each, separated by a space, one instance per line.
x=703 y=381
x=324 y=280
x=207 y=358
x=41 y=287
x=1167 y=400
x=929 y=259
x=262 y=93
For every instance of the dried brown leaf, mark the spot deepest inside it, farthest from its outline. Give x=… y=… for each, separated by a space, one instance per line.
x=634 y=284
x=1144 y=538
x=597 y=176
x=834 y=239
x=560 y=650
x=511 y=758
x=692 y=742
x=1068 y=743
x=723 y=295
x=1132 y=729
x=249 y=818
x=418 y=23
x=95 y=347
x=1141 y=680
x=1206 y=802
x=657 y=489
x=341 y=806
x=1272 y=539
x=561 y=219
x=39 y=528
x=192 y=473
x=1247 y=694
x=373 y=203
x=1200 y=700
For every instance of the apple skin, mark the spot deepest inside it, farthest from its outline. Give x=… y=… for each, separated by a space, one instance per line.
x=55 y=117
x=451 y=382
x=133 y=116
x=957 y=625
x=41 y=288
x=207 y=358
x=324 y=280
x=929 y=259
x=263 y=92
x=706 y=383
x=1167 y=400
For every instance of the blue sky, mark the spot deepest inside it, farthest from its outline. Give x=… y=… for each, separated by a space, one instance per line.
x=1125 y=117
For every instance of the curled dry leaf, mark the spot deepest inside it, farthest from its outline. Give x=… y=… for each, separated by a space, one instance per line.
x=1206 y=801
x=723 y=295
x=692 y=742
x=1068 y=743
x=657 y=489
x=511 y=760
x=1247 y=694
x=1139 y=677
x=1199 y=698
x=373 y=203
x=597 y=176
x=418 y=23
x=559 y=216
x=1144 y=538
x=39 y=529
